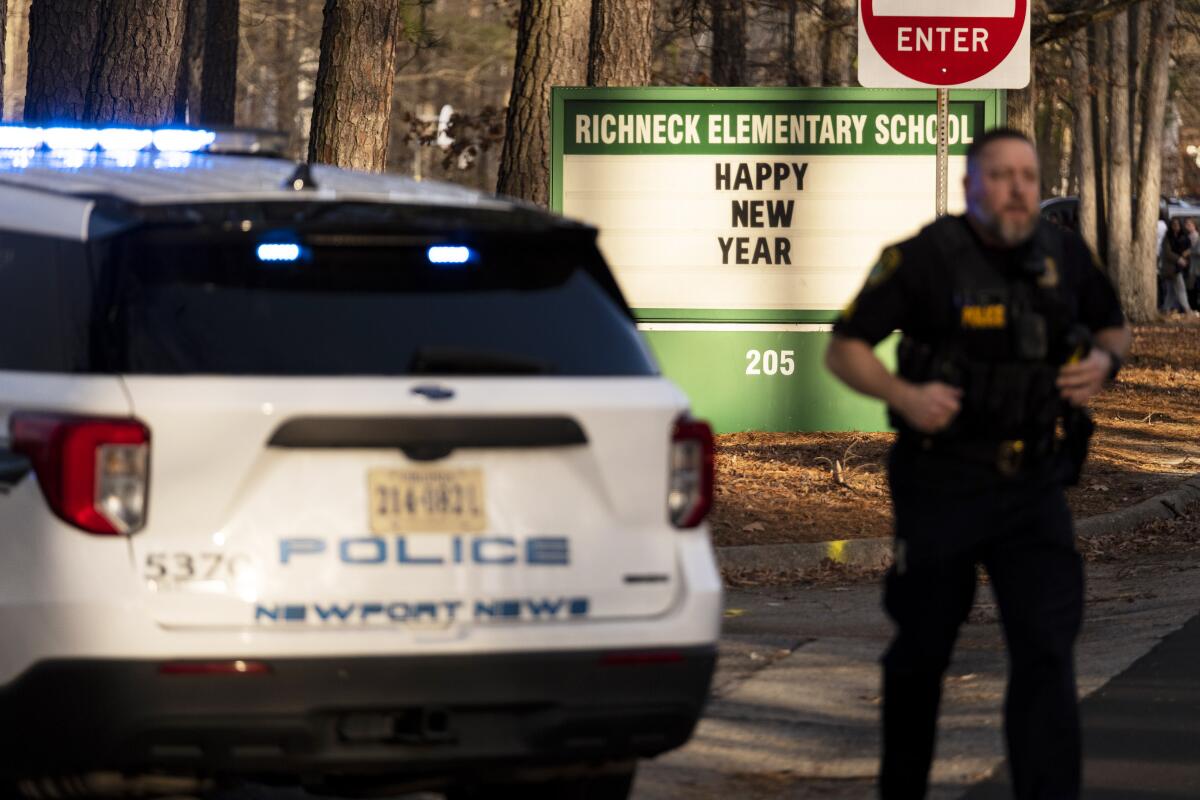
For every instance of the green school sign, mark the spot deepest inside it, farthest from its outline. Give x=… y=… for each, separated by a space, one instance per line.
x=738 y=222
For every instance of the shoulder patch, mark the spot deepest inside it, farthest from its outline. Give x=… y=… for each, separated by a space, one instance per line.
x=889 y=262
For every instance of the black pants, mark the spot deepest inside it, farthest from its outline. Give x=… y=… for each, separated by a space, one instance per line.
x=1024 y=538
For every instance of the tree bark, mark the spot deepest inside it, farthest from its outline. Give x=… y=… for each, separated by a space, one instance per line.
x=62 y=41
x=1138 y=298
x=3 y=37
x=552 y=47
x=137 y=63
x=622 y=43
x=1022 y=109
x=1120 y=216
x=352 y=106
x=839 y=43
x=791 y=30
x=218 y=93
x=1085 y=151
x=729 y=42
x=1098 y=61
x=1062 y=24
x=191 y=62
x=17 y=54
x=1139 y=56
x=287 y=75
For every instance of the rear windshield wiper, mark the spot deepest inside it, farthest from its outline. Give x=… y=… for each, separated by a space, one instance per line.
x=464 y=361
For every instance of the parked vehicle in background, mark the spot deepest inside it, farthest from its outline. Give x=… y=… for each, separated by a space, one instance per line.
x=1065 y=210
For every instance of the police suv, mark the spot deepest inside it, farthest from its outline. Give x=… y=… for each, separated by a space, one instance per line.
x=314 y=476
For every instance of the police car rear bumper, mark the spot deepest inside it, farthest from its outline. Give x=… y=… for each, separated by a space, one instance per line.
x=398 y=715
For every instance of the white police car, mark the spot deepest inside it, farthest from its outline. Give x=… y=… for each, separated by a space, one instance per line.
x=331 y=478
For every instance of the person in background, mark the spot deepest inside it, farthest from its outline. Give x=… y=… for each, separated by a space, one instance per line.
x=1173 y=267
x=1192 y=282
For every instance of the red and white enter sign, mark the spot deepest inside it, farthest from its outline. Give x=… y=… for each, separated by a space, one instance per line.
x=943 y=43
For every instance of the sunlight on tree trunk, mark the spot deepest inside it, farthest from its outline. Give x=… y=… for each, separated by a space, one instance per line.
x=1085 y=151
x=1140 y=295
x=552 y=50
x=16 y=53
x=622 y=38
x=353 y=104
x=1120 y=212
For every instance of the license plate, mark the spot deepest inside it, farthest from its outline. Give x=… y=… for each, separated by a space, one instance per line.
x=426 y=501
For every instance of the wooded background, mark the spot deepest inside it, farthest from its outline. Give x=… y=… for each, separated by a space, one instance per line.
x=459 y=89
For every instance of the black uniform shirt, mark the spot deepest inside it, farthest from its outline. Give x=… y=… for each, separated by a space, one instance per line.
x=913 y=289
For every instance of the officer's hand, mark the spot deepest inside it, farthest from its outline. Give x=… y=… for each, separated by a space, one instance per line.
x=1083 y=380
x=929 y=407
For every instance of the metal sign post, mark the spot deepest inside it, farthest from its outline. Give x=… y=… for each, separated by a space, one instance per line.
x=943 y=44
x=943 y=150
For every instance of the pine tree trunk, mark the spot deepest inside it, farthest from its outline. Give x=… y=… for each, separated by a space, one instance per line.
x=1085 y=151
x=287 y=76
x=353 y=103
x=1044 y=128
x=1139 y=297
x=1098 y=62
x=1139 y=57
x=62 y=41
x=839 y=43
x=1172 y=153
x=729 y=42
x=191 y=62
x=807 y=50
x=552 y=47
x=1120 y=216
x=791 y=11
x=17 y=54
x=137 y=62
x=3 y=37
x=622 y=43
x=218 y=93
x=1022 y=109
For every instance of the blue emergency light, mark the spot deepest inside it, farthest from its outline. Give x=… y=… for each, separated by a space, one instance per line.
x=450 y=254
x=278 y=253
x=109 y=140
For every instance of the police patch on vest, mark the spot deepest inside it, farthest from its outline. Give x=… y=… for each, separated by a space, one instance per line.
x=990 y=317
x=888 y=263
x=1049 y=278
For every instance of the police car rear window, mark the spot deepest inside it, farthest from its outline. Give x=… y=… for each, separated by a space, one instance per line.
x=326 y=302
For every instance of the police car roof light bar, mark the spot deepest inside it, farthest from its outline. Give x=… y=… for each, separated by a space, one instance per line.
x=114 y=139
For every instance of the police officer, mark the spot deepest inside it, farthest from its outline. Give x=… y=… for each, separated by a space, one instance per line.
x=1009 y=328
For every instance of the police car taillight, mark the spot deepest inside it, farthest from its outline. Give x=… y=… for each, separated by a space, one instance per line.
x=691 y=489
x=94 y=472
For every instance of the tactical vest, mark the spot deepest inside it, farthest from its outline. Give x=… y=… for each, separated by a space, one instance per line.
x=1011 y=332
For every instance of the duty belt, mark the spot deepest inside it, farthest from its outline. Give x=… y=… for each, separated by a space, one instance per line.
x=1009 y=456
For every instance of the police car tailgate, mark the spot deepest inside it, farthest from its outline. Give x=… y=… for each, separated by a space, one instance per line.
x=320 y=502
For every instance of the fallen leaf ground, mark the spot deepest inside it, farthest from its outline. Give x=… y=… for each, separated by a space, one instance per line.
x=776 y=488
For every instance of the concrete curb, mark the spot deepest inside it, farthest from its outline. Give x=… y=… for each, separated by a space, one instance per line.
x=877 y=553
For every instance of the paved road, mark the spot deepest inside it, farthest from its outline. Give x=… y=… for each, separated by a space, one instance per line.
x=796 y=711
x=1142 y=729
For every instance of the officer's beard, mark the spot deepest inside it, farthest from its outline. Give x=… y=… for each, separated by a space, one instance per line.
x=1007 y=230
